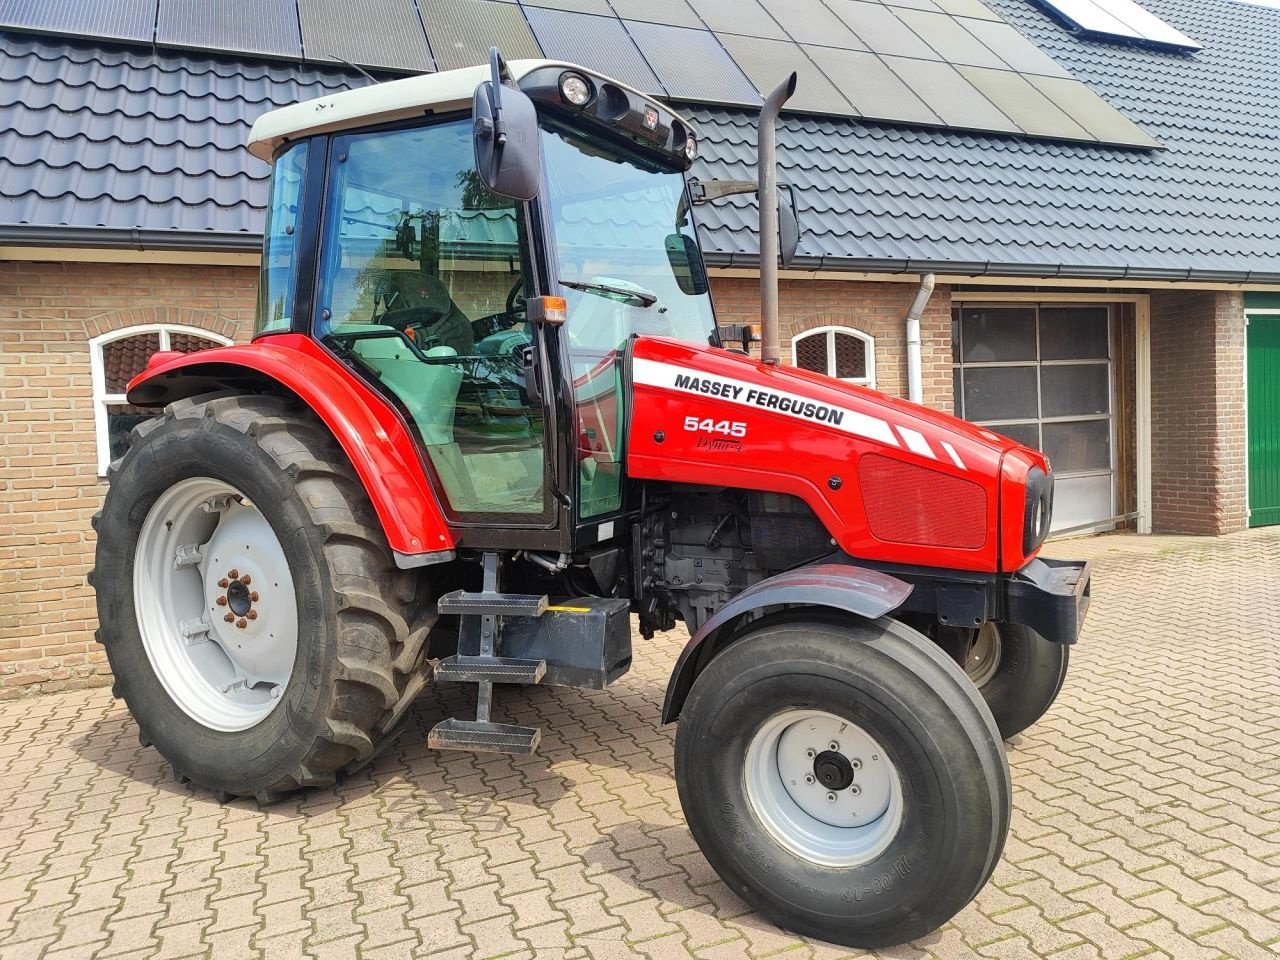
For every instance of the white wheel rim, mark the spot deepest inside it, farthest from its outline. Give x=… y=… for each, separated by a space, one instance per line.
x=835 y=824
x=205 y=553
x=984 y=655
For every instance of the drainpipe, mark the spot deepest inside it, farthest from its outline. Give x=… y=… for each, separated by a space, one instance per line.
x=767 y=193
x=915 y=377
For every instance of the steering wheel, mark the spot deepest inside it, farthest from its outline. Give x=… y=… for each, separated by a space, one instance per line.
x=517 y=299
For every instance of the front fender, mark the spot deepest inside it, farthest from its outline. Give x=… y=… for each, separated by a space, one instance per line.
x=835 y=586
x=373 y=436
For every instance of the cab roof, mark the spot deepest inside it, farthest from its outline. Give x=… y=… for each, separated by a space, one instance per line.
x=393 y=100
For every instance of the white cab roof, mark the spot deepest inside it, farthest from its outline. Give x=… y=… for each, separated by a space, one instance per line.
x=387 y=102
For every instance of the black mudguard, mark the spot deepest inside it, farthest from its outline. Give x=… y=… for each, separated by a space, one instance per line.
x=835 y=586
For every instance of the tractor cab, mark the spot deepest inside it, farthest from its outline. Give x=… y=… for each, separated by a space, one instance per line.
x=489 y=290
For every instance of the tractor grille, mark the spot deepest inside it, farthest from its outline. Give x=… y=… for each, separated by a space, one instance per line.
x=910 y=504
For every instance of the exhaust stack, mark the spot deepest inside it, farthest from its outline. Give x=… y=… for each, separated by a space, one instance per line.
x=767 y=193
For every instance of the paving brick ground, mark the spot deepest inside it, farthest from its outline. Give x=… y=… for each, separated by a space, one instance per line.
x=1147 y=815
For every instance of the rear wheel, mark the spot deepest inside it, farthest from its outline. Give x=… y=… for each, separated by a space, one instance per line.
x=1018 y=672
x=255 y=623
x=844 y=778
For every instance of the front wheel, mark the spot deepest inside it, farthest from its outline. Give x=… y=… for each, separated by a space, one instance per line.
x=1018 y=672
x=844 y=778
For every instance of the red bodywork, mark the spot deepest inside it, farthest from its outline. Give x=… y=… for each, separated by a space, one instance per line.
x=891 y=480
x=383 y=452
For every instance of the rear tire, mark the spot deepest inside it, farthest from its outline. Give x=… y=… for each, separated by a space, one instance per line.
x=358 y=624
x=889 y=863
x=1018 y=672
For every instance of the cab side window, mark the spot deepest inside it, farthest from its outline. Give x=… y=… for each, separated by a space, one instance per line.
x=423 y=288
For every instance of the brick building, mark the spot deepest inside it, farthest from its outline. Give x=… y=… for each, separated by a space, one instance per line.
x=1091 y=299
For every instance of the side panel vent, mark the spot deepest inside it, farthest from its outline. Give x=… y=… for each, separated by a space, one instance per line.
x=910 y=504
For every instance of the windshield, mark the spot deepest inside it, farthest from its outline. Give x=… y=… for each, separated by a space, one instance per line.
x=625 y=245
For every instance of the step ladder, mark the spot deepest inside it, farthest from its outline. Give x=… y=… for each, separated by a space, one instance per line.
x=490 y=606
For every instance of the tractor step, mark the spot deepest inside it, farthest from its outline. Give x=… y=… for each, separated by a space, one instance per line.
x=460 y=669
x=483 y=736
x=492 y=604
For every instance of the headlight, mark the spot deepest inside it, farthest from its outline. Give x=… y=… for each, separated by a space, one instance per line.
x=1038 y=510
x=575 y=89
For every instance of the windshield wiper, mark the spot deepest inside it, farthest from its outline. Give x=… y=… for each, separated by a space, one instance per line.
x=642 y=297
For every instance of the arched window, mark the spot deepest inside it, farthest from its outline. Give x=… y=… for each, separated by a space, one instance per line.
x=838 y=352
x=117 y=357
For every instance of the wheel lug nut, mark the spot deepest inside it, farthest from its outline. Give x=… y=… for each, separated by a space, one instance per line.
x=810 y=753
x=242 y=623
x=254 y=596
x=230 y=617
x=855 y=789
x=221 y=601
x=833 y=745
x=855 y=763
x=808 y=778
x=831 y=798
x=224 y=583
x=245 y=579
x=234 y=574
x=252 y=614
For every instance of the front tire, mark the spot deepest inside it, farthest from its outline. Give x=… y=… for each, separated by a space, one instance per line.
x=881 y=866
x=255 y=623
x=1018 y=672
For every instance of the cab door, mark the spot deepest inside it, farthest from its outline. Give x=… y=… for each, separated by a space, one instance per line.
x=423 y=282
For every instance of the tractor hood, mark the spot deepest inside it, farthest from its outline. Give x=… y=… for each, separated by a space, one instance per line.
x=885 y=475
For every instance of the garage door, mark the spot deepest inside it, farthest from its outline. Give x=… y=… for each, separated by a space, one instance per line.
x=1041 y=375
x=1264 y=419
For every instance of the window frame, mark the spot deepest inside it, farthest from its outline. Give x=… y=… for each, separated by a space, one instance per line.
x=98 y=374
x=830 y=331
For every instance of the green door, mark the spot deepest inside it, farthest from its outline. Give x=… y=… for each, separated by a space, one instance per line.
x=1264 y=419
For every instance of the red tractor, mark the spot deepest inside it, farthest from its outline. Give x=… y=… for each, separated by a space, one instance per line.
x=487 y=419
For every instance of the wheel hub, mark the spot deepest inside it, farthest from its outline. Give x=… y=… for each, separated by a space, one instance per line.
x=823 y=787
x=833 y=770
x=985 y=653
x=216 y=605
x=239 y=599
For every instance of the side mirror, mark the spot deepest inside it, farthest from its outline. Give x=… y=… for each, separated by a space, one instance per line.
x=686 y=263
x=788 y=224
x=505 y=133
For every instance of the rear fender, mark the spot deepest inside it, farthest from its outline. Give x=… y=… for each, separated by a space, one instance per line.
x=374 y=437
x=833 y=586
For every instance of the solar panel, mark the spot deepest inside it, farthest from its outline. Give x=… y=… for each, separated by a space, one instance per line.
x=767 y=63
x=1118 y=19
x=875 y=91
x=1013 y=48
x=967 y=8
x=599 y=7
x=1022 y=103
x=462 y=31
x=267 y=27
x=811 y=21
x=951 y=96
x=677 y=13
x=881 y=30
x=745 y=17
x=1092 y=112
x=691 y=64
x=953 y=42
x=122 y=20
x=599 y=43
x=377 y=33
